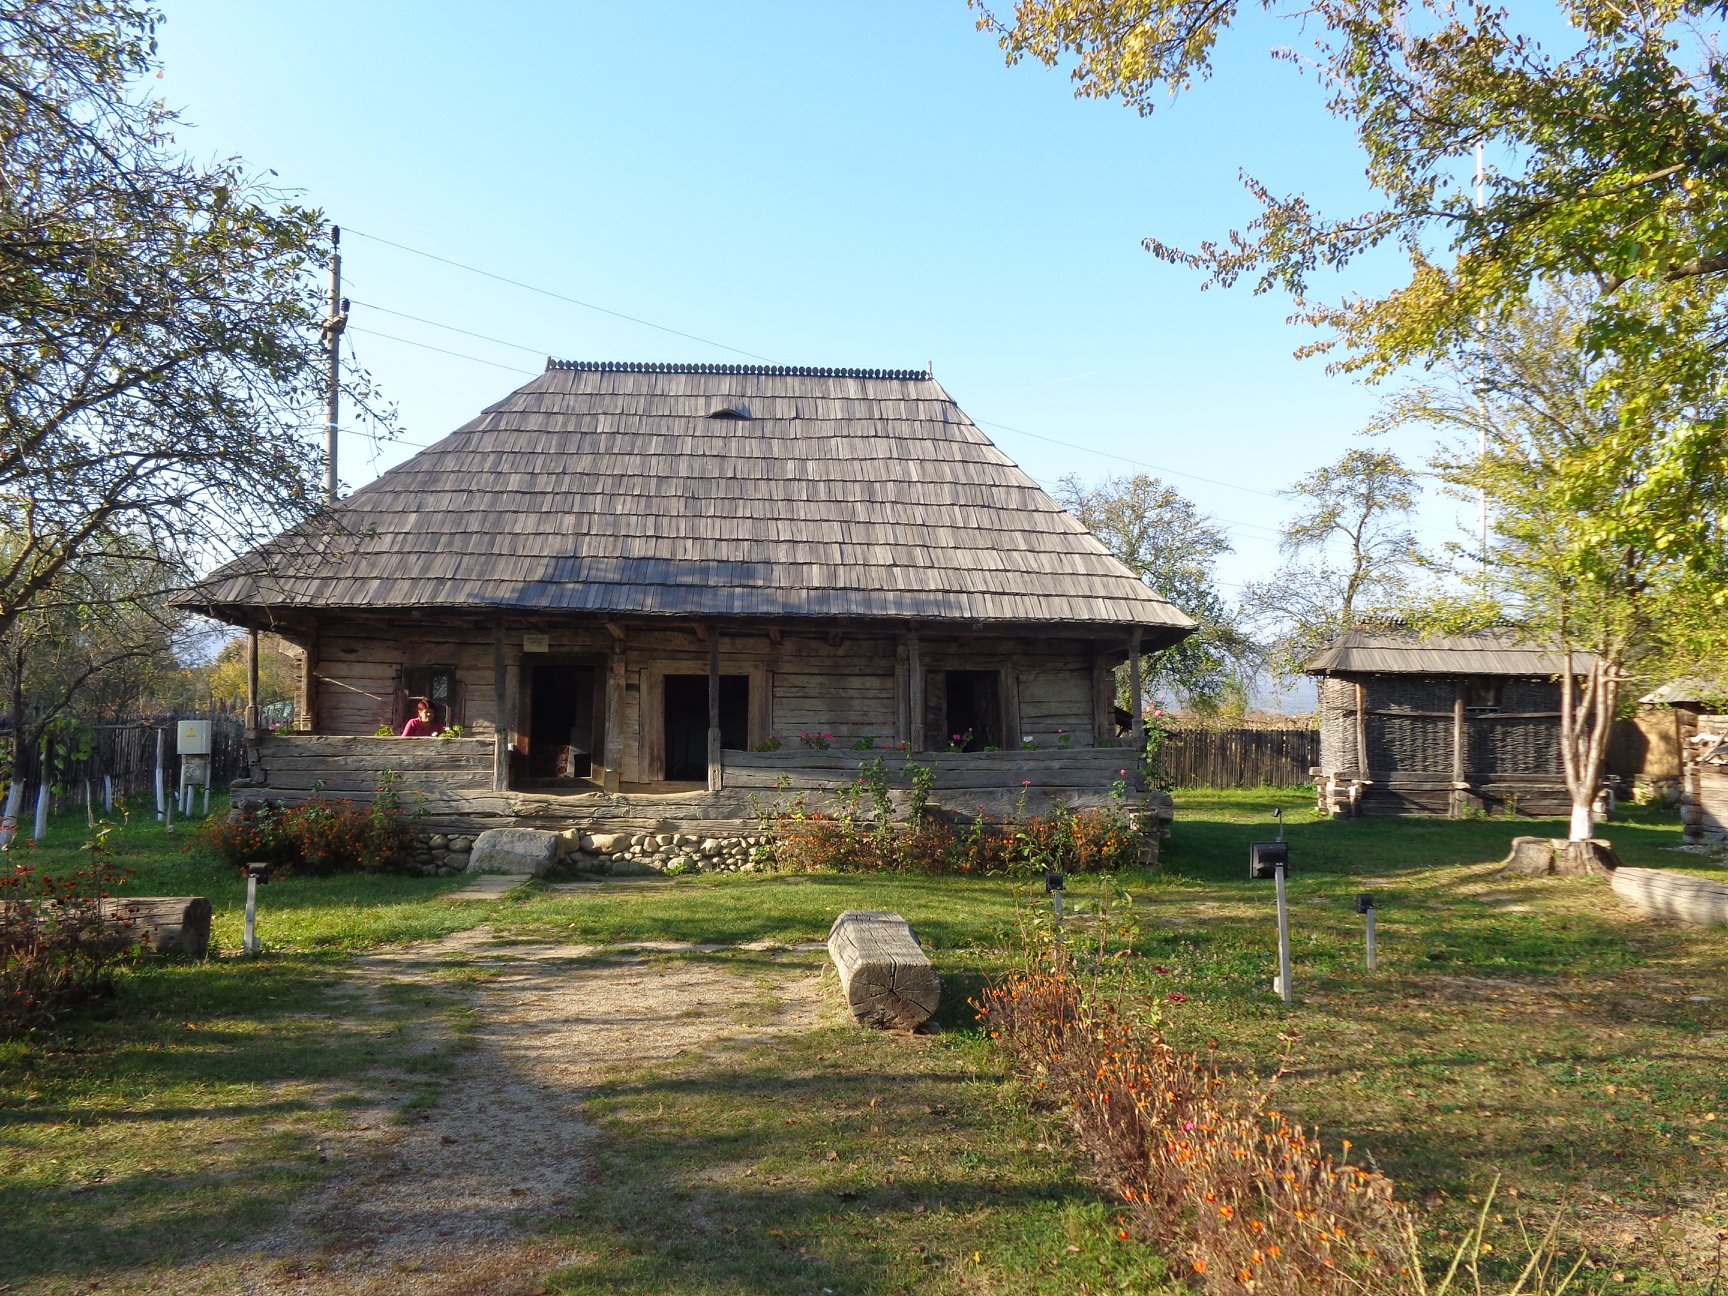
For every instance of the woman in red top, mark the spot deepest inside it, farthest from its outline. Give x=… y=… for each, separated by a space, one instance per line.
x=422 y=725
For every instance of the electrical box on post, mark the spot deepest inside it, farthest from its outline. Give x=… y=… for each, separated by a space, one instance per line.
x=192 y=738
x=1265 y=857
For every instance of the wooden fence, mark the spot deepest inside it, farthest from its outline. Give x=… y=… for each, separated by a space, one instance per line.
x=1257 y=754
x=125 y=752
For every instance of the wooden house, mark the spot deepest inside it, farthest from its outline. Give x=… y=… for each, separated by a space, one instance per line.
x=1701 y=735
x=1440 y=726
x=645 y=592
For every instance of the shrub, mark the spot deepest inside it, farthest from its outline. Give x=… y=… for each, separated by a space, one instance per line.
x=57 y=952
x=1247 y=1200
x=318 y=836
x=1095 y=840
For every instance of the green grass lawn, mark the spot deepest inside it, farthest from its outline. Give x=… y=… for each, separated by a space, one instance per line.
x=1529 y=1029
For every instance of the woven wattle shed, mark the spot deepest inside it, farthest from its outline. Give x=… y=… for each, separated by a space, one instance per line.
x=713 y=491
x=1436 y=725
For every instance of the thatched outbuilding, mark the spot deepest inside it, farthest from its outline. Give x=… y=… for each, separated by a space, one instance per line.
x=635 y=586
x=1439 y=725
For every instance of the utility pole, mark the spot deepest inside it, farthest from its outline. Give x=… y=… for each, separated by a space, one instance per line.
x=331 y=335
x=1482 y=427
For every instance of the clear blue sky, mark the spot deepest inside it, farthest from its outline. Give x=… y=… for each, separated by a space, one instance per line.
x=858 y=185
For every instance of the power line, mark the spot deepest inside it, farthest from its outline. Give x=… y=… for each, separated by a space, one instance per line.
x=1135 y=463
x=556 y=296
x=427 y=346
x=451 y=328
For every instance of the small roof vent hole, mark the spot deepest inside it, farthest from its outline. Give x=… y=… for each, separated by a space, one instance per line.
x=730 y=412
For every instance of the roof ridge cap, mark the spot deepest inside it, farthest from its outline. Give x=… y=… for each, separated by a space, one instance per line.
x=748 y=370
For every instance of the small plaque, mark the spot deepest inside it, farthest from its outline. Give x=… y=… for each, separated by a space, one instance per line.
x=536 y=643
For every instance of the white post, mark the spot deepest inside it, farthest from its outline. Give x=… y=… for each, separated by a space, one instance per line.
x=1373 y=962
x=89 y=805
x=9 y=825
x=42 y=808
x=168 y=812
x=1283 y=986
x=161 y=786
x=108 y=792
x=249 y=940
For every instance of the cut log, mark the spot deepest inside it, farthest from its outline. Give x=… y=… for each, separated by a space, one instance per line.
x=165 y=924
x=884 y=973
x=1682 y=897
x=1542 y=856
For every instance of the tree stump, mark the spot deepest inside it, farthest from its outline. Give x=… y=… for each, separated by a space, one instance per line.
x=884 y=973
x=1544 y=856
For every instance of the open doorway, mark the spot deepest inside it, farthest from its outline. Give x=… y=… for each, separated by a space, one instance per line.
x=686 y=707
x=973 y=708
x=561 y=730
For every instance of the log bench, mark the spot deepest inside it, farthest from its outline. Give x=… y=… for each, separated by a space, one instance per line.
x=1682 y=897
x=884 y=973
x=161 y=924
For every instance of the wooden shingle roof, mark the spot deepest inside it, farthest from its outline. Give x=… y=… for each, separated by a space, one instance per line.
x=747 y=491
x=1484 y=652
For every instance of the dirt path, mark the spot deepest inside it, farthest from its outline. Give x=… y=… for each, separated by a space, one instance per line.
x=449 y=1201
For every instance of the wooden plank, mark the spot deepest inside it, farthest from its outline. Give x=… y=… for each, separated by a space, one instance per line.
x=888 y=980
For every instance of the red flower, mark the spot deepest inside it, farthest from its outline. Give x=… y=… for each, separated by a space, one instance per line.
x=1176 y=996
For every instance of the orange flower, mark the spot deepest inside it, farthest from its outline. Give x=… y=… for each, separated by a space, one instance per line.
x=1199 y=1266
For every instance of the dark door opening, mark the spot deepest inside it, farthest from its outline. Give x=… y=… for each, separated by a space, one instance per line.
x=687 y=722
x=973 y=709
x=561 y=723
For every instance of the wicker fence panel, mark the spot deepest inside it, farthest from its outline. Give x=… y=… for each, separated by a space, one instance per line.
x=1245 y=756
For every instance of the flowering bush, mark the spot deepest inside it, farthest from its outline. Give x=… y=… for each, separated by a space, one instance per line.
x=318 y=836
x=57 y=951
x=1248 y=1200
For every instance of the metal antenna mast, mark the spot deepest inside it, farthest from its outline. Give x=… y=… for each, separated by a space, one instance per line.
x=331 y=335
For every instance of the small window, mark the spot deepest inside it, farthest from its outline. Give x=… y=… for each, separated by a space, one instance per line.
x=437 y=684
x=730 y=412
x=1483 y=694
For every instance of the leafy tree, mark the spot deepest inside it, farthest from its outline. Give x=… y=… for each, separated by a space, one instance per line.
x=159 y=319
x=278 y=678
x=1351 y=554
x=1571 y=556
x=1611 y=168
x=102 y=648
x=1174 y=548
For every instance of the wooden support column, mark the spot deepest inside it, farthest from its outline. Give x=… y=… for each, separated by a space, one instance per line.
x=1459 y=787
x=1103 y=702
x=716 y=773
x=500 y=721
x=614 y=767
x=914 y=693
x=251 y=720
x=1135 y=704
x=306 y=721
x=1361 y=732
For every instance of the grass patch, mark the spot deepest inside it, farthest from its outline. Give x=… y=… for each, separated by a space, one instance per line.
x=1531 y=1028
x=840 y=1160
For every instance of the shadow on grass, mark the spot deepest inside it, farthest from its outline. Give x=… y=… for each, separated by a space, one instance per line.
x=842 y=1161
x=185 y=1118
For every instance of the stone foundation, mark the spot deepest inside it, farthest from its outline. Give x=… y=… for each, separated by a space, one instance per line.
x=665 y=852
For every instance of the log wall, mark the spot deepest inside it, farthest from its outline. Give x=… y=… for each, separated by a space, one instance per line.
x=853 y=686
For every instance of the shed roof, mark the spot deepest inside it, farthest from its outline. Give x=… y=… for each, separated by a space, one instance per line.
x=1691 y=688
x=1483 y=652
x=746 y=491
